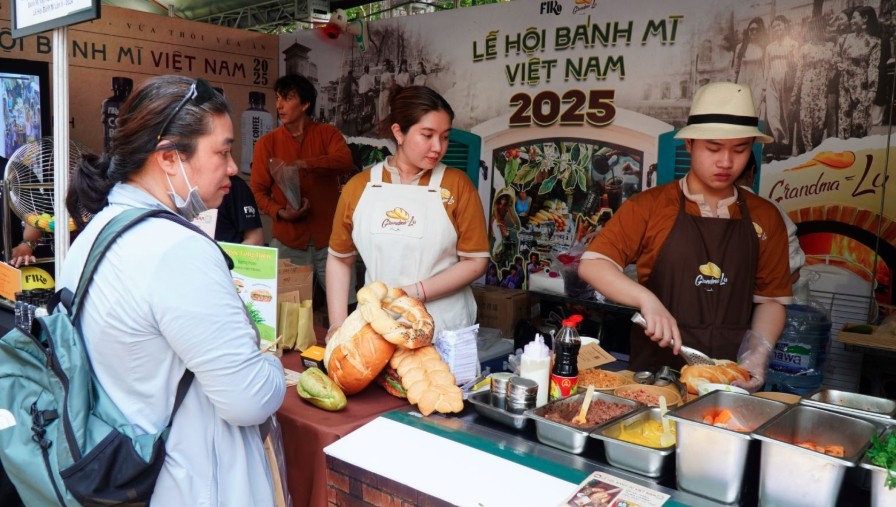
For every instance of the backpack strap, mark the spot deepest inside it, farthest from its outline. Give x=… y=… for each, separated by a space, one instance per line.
x=111 y=232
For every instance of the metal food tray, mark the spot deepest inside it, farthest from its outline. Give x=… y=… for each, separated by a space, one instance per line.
x=644 y=460
x=799 y=477
x=881 y=495
x=571 y=438
x=481 y=402
x=854 y=404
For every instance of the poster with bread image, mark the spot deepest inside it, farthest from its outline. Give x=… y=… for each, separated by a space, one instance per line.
x=255 y=280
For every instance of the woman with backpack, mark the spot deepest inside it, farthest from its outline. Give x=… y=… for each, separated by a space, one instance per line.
x=162 y=301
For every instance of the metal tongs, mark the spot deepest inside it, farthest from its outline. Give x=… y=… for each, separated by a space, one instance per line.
x=690 y=355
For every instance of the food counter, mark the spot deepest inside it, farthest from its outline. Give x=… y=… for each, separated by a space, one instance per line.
x=307 y=430
x=466 y=459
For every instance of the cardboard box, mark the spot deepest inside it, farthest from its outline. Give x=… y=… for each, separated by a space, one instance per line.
x=501 y=308
x=864 y=335
x=313 y=356
x=294 y=283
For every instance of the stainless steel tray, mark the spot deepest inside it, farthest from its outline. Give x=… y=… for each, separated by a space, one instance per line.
x=795 y=476
x=572 y=438
x=644 y=460
x=854 y=404
x=481 y=402
x=881 y=495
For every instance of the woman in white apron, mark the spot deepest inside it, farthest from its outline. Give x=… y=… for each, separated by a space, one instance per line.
x=416 y=223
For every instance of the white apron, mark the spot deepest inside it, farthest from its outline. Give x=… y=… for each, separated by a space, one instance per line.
x=402 y=251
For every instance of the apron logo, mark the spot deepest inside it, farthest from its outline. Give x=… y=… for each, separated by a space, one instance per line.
x=396 y=218
x=710 y=275
x=398 y=213
x=760 y=233
x=447 y=198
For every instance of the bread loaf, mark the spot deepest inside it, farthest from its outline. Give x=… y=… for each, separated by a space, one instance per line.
x=356 y=354
x=723 y=372
x=399 y=318
x=427 y=380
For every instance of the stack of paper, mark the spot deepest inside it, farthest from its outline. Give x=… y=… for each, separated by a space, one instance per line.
x=458 y=349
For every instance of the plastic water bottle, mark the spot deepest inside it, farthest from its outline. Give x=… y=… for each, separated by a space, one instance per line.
x=535 y=364
x=565 y=375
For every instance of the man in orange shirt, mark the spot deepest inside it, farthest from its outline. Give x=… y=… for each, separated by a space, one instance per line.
x=320 y=155
x=712 y=260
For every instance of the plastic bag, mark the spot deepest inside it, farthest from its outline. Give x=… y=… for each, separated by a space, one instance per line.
x=287 y=178
x=273 y=450
x=567 y=263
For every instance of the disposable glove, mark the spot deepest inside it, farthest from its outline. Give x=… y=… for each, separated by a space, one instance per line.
x=754 y=355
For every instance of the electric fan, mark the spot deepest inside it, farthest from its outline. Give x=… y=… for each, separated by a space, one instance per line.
x=29 y=179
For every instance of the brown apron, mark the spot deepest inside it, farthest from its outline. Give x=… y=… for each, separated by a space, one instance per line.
x=712 y=307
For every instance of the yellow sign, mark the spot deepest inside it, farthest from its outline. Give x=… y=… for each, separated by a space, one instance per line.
x=10 y=281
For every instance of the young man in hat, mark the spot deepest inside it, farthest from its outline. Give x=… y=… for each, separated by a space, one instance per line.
x=712 y=260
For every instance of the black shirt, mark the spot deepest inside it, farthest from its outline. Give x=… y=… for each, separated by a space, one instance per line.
x=237 y=213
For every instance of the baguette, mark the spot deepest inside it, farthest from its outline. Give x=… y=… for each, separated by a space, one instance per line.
x=320 y=390
x=427 y=380
x=356 y=354
x=399 y=318
x=723 y=372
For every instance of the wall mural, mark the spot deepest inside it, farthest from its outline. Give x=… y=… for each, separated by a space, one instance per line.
x=545 y=84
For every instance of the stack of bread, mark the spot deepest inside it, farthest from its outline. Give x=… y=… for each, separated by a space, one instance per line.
x=390 y=325
x=723 y=372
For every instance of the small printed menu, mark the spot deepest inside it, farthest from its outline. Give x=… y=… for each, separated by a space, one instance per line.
x=255 y=277
x=10 y=281
x=604 y=490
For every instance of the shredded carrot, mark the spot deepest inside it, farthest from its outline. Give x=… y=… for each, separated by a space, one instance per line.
x=722 y=417
x=835 y=450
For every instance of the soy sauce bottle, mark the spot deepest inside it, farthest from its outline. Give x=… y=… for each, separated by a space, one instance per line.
x=565 y=374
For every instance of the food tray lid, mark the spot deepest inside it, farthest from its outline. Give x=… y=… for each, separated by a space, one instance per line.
x=860 y=405
x=481 y=403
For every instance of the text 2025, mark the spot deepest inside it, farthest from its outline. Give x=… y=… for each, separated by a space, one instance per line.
x=574 y=107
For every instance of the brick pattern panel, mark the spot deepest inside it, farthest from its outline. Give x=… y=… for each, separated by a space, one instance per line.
x=352 y=486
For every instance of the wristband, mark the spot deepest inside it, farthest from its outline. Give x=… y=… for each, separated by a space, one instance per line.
x=31 y=244
x=423 y=290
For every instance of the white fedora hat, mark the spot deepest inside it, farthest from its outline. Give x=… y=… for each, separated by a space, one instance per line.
x=723 y=111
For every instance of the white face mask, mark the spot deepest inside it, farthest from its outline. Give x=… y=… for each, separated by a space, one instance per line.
x=193 y=205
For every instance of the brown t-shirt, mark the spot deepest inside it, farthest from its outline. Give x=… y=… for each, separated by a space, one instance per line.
x=639 y=228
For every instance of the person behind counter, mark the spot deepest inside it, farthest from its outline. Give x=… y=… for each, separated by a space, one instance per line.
x=163 y=301
x=320 y=154
x=238 y=220
x=711 y=259
x=416 y=223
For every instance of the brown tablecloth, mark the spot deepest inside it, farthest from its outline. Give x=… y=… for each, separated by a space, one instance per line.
x=308 y=429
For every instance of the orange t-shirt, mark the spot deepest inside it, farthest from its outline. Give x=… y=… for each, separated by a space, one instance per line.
x=638 y=230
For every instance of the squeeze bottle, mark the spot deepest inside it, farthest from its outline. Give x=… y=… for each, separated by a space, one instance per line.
x=535 y=364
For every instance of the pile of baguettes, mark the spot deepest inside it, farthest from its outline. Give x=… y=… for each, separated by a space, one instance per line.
x=388 y=338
